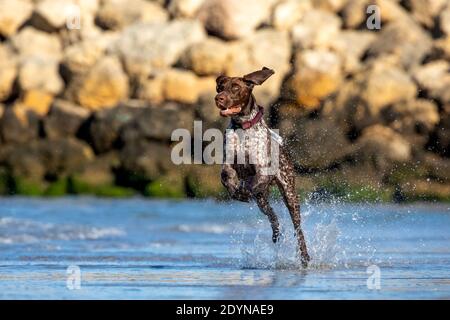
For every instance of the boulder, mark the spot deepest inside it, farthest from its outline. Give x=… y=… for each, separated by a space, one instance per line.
x=116 y=14
x=426 y=11
x=351 y=46
x=145 y=48
x=287 y=13
x=208 y=57
x=174 y=85
x=143 y=160
x=354 y=13
x=234 y=19
x=444 y=20
x=404 y=41
x=40 y=73
x=330 y=5
x=18 y=125
x=99 y=171
x=64 y=119
x=442 y=48
x=47 y=158
x=268 y=48
x=32 y=42
x=317 y=144
x=384 y=84
x=164 y=119
x=13 y=14
x=420 y=114
x=184 y=8
x=37 y=100
x=104 y=86
x=415 y=120
x=51 y=15
x=434 y=78
x=382 y=145
x=80 y=57
x=181 y=86
x=8 y=72
x=105 y=126
x=318 y=74
x=317 y=28
x=391 y=11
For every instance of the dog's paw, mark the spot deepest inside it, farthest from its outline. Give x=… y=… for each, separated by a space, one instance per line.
x=305 y=258
x=275 y=236
x=242 y=195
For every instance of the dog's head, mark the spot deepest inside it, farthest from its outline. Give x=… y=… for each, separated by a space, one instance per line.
x=233 y=93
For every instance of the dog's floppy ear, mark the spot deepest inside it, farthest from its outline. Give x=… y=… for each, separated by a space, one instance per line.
x=220 y=79
x=258 y=77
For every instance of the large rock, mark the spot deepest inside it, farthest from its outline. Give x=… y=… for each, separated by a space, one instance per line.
x=31 y=42
x=330 y=5
x=426 y=11
x=444 y=20
x=105 y=85
x=49 y=158
x=18 y=125
x=64 y=119
x=382 y=145
x=174 y=85
x=37 y=100
x=351 y=46
x=354 y=13
x=415 y=120
x=82 y=56
x=145 y=160
x=234 y=19
x=288 y=12
x=145 y=48
x=402 y=40
x=8 y=71
x=40 y=73
x=316 y=144
x=434 y=78
x=184 y=8
x=13 y=13
x=209 y=57
x=164 y=119
x=265 y=48
x=318 y=74
x=51 y=15
x=105 y=127
x=385 y=84
x=317 y=28
x=116 y=14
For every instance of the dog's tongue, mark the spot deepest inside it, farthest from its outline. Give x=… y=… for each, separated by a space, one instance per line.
x=230 y=111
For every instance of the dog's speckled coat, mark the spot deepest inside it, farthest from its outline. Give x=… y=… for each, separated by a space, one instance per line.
x=248 y=180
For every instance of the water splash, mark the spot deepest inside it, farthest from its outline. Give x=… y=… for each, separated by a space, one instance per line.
x=326 y=243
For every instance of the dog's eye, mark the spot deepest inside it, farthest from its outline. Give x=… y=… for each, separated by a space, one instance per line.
x=235 y=88
x=219 y=88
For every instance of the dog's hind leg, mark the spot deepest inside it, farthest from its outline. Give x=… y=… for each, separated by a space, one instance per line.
x=263 y=204
x=286 y=183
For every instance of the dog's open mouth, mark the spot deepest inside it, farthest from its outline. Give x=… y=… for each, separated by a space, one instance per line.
x=230 y=111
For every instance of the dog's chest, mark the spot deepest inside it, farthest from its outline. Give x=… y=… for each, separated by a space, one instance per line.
x=251 y=146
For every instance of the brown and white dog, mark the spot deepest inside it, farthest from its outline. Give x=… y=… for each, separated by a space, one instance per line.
x=249 y=180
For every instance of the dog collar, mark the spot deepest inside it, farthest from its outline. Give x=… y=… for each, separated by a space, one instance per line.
x=250 y=123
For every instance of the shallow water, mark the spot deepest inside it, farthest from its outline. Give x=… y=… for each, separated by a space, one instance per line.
x=155 y=249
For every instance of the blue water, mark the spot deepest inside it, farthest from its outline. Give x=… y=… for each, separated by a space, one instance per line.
x=150 y=249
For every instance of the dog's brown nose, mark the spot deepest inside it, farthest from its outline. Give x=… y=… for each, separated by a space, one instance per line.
x=220 y=100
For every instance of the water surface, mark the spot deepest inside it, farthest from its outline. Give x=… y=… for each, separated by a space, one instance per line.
x=160 y=249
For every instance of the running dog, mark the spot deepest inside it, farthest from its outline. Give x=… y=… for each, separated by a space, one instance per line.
x=249 y=179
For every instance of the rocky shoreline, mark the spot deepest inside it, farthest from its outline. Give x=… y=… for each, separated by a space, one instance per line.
x=90 y=110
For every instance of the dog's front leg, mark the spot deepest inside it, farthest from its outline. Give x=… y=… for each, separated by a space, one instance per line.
x=231 y=182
